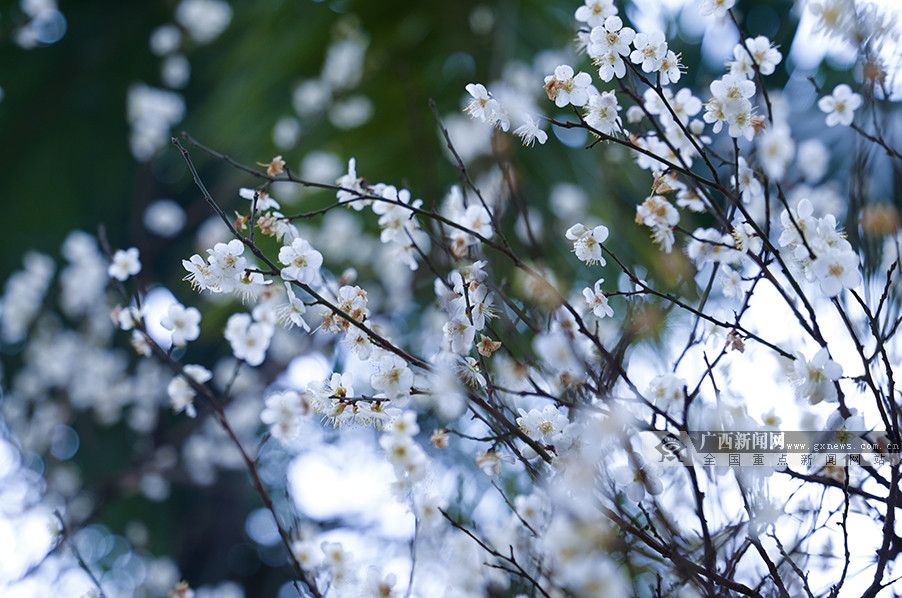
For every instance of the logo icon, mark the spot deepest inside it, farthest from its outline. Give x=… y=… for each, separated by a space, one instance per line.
x=670 y=448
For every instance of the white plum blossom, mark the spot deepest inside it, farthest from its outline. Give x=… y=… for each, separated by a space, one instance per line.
x=394 y=377
x=718 y=8
x=292 y=313
x=840 y=106
x=731 y=282
x=183 y=322
x=814 y=380
x=670 y=70
x=812 y=160
x=587 y=242
x=776 y=150
x=640 y=477
x=249 y=340
x=459 y=335
x=594 y=12
x=204 y=19
x=482 y=106
x=302 y=261
x=597 y=300
x=284 y=412
x=351 y=187
x=259 y=198
x=836 y=269
x=550 y=427
x=667 y=391
x=222 y=269
x=608 y=43
x=404 y=423
x=126 y=318
x=563 y=87
x=376 y=586
x=530 y=132
x=406 y=457
x=742 y=65
x=181 y=394
x=796 y=224
x=395 y=219
x=125 y=263
x=746 y=239
x=352 y=300
x=650 y=51
x=764 y=54
x=658 y=214
x=710 y=245
x=730 y=104
x=601 y=113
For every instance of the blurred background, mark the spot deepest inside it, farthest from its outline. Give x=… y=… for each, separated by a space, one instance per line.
x=92 y=90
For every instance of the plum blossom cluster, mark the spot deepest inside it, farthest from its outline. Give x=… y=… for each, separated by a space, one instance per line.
x=819 y=249
x=468 y=304
x=730 y=105
x=551 y=427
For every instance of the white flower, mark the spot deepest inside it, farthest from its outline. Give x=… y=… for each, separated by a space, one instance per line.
x=651 y=49
x=220 y=273
x=667 y=390
x=468 y=368
x=529 y=132
x=301 y=260
x=840 y=106
x=563 y=87
x=292 y=312
x=181 y=394
x=601 y=112
x=742 y=65
x=459 y=335
x=482 y=106
x=351 y=187
x=204 y=19
x=393 y=377
x=836 y=269
x=659 y=215
x=669 y=70
x=284 y=412
x=377 y=587
x=731 y=282
x=597 y=300
x=776 y=149
x=544 y=426
x=639 y=478
x=594 y=12
x=126 y=318
x=718 y=8
x=125 y=263
x=406 y=457
x=796 y=224
x=814 y=380
x=764 y=54
x=608 y=43
x=183 y=322
x=611 y=36
x=260 y=199
x=587 y=242
x=404 y=424
x=249 y=340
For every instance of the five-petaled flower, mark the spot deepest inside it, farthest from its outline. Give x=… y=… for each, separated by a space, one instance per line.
x=840 y=106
